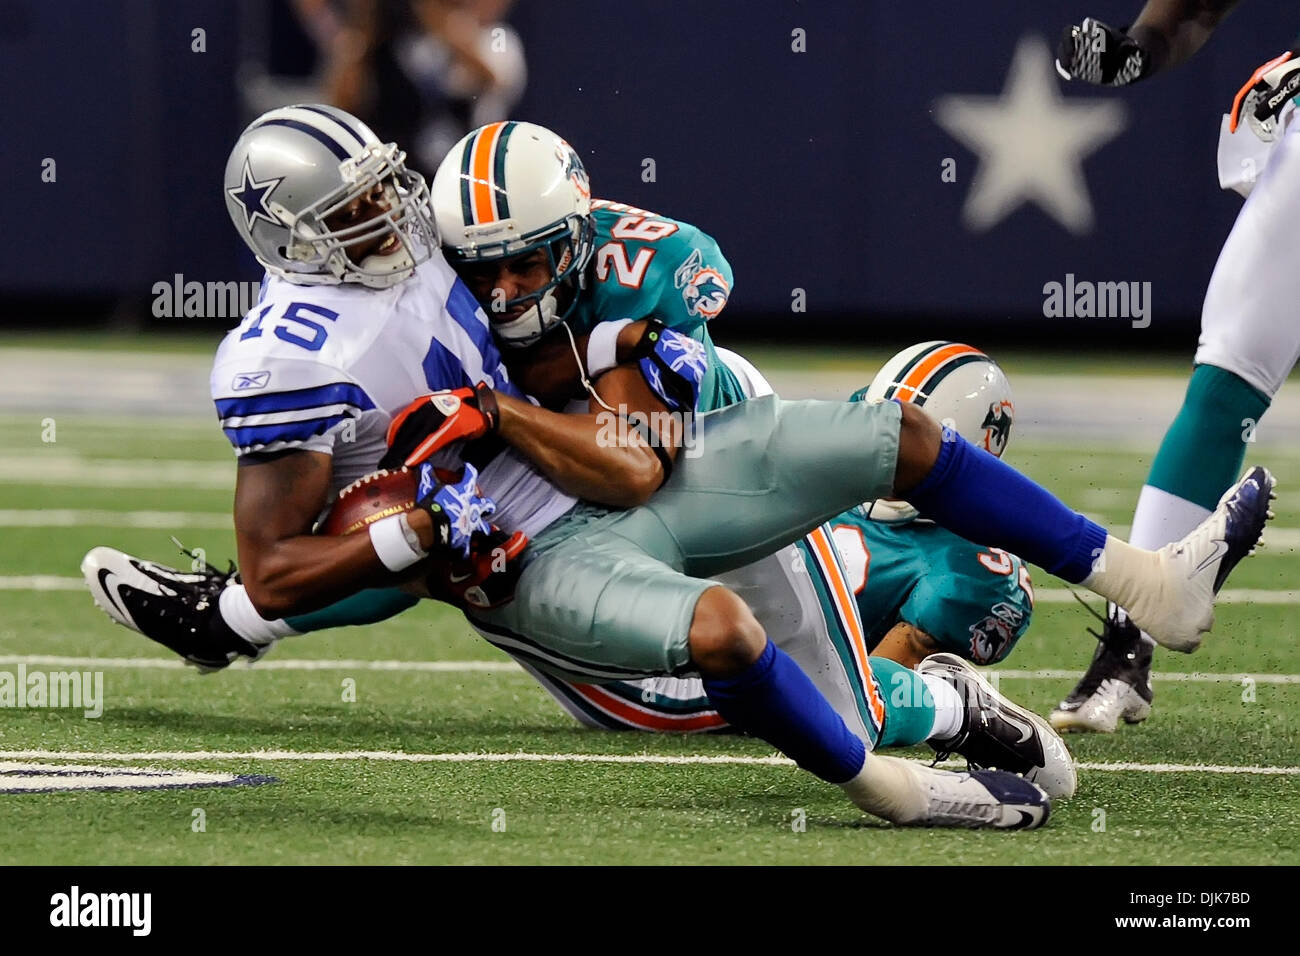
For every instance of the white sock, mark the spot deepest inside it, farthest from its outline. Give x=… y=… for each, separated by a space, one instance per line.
x=1159 y=519
x=237 y=610
x=889 y=787
x=948 y=708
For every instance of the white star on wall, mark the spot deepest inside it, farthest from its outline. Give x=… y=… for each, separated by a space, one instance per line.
x=1031 y=142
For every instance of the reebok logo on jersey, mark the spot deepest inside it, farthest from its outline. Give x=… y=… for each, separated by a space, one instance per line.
x=247 y=380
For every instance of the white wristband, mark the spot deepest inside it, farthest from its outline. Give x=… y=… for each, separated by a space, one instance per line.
x=602 y=346
x=396 y=543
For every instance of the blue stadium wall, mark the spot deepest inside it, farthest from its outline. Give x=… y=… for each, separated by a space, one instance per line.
x=820 y=171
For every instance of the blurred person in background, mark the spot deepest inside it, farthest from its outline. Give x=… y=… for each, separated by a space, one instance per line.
x=424 y=72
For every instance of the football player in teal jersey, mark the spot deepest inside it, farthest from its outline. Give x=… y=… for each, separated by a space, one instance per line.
x=611 y=592
x=561 y=323
x=569 y=288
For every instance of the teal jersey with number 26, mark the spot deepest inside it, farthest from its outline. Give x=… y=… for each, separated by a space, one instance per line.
x=649 y=266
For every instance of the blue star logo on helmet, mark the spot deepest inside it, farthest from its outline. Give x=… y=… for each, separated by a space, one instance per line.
x=252 y=196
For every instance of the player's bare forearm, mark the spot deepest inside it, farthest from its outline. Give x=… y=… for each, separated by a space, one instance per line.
x=285 y=568
x=549 y=372
x=1173 y=30
x=590 y=455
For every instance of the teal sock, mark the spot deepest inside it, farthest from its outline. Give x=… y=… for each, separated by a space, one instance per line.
x=364 y=607
x=909 y=706
x=1202 y=453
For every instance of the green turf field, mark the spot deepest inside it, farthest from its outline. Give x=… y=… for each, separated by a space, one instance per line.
x=428 y=792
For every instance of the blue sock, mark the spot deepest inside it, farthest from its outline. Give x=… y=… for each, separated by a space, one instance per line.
x=773 y=699
x=977 y=496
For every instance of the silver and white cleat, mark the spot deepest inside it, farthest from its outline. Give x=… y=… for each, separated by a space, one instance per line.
x=1181 y=612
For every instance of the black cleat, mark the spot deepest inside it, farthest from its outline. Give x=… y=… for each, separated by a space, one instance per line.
x=1117 y=684
x=997 y=733
x=177 y=609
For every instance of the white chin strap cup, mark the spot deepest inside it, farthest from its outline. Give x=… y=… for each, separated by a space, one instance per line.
x=529 y=327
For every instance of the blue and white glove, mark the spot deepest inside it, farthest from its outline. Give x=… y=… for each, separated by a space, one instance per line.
x=673 y=365
x=460 y=511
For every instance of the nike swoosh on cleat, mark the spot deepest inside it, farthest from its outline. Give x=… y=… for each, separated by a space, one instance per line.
x=1220 y=549
x=103 y=586
x=457 y=578
x=1026 y=819
x=1026 y=729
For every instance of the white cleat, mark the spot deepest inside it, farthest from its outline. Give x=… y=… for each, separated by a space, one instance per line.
x=910 y=794
x=994 y=799
x=1180 y=612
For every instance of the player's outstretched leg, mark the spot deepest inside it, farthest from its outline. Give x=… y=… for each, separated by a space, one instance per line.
x=769 y=471
x=759 y=689
x=205 y=615
x=1200 y=455
x=995 y=732
x=1169 y=592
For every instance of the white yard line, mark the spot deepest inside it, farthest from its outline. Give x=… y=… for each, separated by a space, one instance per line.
x=1226 y=596
x=271 y=664
x=390 y=756
x=82 y=518
x=40 y=582
x=466 y=667
x=78 y=472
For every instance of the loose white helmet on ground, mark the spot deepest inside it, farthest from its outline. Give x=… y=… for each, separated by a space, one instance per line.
x=958 y=386
x=296 y=166
x=509 y=188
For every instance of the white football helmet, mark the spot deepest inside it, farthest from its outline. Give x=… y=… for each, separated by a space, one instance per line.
x=509 y=188
x=296 y=166
x=958 y=386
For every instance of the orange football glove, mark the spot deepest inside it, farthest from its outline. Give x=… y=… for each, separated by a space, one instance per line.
x=434 y=421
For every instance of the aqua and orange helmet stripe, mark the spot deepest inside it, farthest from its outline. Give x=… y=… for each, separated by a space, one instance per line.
x=482 y=175
x=918 y=379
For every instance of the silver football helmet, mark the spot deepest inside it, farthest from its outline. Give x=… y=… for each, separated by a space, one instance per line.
x=295 y=167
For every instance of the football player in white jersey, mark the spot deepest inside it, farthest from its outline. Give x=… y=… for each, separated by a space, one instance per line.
x=1249 y=340
x=607 y=593
x=358 y=316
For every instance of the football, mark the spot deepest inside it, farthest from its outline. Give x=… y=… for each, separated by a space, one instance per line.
x=369 y=499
